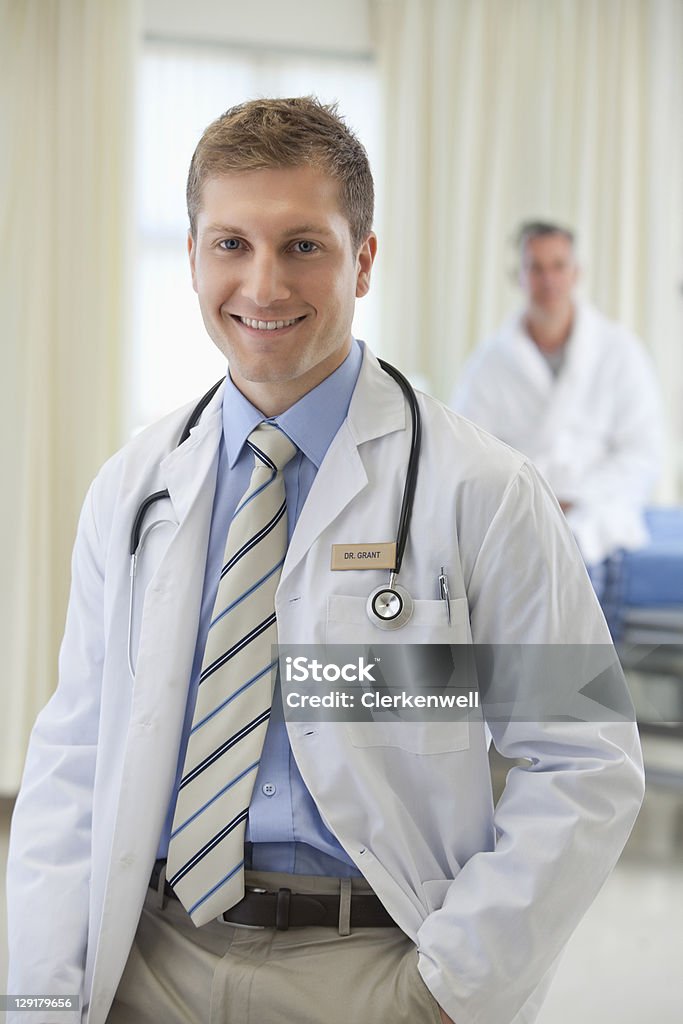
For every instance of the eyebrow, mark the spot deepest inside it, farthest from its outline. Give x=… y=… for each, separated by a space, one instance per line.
x=297 y=229
x=308 y=229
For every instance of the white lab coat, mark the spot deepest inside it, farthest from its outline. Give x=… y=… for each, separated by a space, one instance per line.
x=594 y=431
x=489 y=900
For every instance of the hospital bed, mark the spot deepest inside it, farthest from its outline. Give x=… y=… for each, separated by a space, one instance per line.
x=643 y=604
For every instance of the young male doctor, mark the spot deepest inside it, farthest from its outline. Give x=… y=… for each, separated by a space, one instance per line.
x=179 y=851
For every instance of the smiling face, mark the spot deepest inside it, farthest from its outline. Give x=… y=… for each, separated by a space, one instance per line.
x=277 y=279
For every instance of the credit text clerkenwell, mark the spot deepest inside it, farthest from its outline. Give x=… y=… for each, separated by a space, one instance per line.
x=373 y=699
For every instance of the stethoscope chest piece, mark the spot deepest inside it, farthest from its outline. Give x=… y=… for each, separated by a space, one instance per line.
x=390 y=607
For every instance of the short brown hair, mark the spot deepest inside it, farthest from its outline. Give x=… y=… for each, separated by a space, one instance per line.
x=291 y=132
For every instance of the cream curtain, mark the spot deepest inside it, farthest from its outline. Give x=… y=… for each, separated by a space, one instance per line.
x=499 y=110
x=66 y=81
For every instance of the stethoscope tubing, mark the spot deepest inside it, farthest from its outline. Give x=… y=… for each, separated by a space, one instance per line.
x=138 y=535
x=413 y=463
x=146 y=503
x=408 y=490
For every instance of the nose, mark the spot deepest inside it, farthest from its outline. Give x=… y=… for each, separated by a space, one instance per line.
x=264 y=281
x=547 y=277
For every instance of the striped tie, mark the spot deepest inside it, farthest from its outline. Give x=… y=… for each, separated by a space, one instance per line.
x=206 y=853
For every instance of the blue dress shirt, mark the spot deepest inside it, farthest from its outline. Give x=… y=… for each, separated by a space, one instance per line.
x=284 y=831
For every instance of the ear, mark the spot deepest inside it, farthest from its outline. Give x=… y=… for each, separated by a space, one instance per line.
x=192 y=253
x=364 y=260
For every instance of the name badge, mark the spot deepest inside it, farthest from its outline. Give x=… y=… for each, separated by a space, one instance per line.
x=364 y=556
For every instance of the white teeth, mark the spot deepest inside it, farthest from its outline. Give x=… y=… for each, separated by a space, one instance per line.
x=267 y=325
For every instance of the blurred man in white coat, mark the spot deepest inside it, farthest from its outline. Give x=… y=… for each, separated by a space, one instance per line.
x=576 y=393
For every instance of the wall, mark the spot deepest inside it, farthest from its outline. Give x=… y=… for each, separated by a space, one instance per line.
x=330 y=25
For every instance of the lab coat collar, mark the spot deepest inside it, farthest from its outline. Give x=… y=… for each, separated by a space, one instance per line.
x=377 y=408
x=578 y=370
x=184 y=470
x=311 y=423
x=580 y=352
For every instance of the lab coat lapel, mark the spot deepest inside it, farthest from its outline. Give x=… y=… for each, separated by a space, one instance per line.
x=171 y=609
x=377 y=408
x=529 y=361
x=164 y=660
x=575 y=373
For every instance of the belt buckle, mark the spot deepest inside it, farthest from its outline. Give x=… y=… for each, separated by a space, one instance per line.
x=236 y=924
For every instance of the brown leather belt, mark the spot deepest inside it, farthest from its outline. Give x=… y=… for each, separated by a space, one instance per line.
x=286 y=909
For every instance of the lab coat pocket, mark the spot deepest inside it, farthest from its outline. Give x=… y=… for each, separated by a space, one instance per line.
x=434 y=892
x=407 y=658
x=422 y=738
x=348 y=623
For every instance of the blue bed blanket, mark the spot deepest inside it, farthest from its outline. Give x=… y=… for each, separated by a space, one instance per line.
x=643 y=590
x=653 y=576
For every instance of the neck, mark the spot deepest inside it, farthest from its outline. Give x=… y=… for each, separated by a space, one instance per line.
x=549 y=331
x=273 y=397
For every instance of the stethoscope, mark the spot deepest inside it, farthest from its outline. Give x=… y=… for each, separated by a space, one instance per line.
x=389 y=606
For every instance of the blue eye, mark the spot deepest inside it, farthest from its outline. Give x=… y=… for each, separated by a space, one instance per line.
x=306 y=246
x=230 y=243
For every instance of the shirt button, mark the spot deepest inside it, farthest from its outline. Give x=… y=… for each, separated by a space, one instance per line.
x=269 y=789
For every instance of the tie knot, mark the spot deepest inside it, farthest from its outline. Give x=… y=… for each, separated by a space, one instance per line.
x=271 y=446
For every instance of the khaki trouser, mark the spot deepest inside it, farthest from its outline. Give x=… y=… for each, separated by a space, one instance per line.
x=226 y=974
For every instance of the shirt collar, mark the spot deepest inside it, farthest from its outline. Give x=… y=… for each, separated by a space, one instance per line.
x=310 y=423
